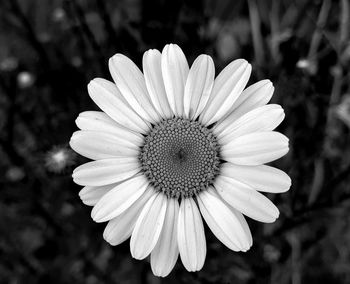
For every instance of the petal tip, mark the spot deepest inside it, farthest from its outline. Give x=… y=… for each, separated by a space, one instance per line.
x=136 y=254
x=116 y=57
x=288 y=183
x=96 y=215
x=72 y=141
x=94 y=83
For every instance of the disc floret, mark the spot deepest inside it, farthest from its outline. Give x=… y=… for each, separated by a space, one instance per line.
x=180 y=157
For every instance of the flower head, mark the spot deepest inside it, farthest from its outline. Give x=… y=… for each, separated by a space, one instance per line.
x=173 y=145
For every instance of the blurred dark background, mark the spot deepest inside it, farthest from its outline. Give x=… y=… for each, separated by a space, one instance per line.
x=50 y=50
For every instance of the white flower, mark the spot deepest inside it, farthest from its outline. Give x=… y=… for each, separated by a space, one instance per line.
x=172 y=145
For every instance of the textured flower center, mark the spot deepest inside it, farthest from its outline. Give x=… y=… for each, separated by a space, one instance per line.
x=180 y=157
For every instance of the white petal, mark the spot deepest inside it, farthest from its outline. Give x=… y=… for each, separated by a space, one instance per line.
x=227 y=87
x=175 y=70
x=190 y=236
x=244 y=224
x=222 y=221
x=152 y=70
x=246 y=200
x=108 y=97
x=148 y=227
x=99 y=145
x=90 y=195
x=99 y=121
x=118 y=199
x=265 y=118
x=131 y=83
x=107 y=171
x=166 y=252
x=120 y=228
x=198 y=86
x=255 y=148
x=262 y=178
x=254 y=96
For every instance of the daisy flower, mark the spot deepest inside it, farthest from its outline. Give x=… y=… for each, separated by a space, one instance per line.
x=173 y=145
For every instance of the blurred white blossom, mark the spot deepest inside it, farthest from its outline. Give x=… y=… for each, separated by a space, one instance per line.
x=307 y=65
x=58 y=159
x=25 y=79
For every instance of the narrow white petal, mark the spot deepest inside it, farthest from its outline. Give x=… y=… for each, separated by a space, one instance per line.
x=99 y=121
x=107 y=171
x=99 y=145
x=166 y=252
x=190 y=236
x=256 y=148
x=175 y=71
x=244 y=224
x=222 y=221
x=118 y=199
x=131 y=83
x=246 y=200
x=108 y=98
x=120 y=228
x=265 y=118
x=152 y=70
x=262 y=178
x=90 y=195
x=198 y=86
x=254 y=96
x=148 y=227
x=227 y=87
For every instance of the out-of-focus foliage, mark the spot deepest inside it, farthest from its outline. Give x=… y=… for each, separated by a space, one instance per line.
x=49 y=50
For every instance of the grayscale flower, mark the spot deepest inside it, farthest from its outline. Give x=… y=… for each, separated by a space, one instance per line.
x=173 y=145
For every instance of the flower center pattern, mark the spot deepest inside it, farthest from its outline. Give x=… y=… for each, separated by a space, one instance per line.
x=180 y=157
